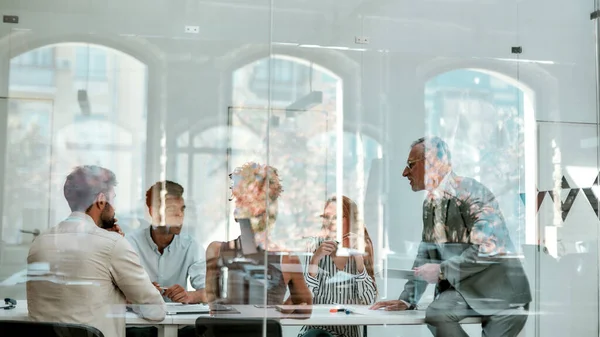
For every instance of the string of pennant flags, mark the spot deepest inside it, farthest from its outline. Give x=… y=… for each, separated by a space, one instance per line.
x=573 y=193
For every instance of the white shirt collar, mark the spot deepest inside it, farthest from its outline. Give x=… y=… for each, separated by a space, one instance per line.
x=78 y=216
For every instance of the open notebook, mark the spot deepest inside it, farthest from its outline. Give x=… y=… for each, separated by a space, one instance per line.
x=178 y=308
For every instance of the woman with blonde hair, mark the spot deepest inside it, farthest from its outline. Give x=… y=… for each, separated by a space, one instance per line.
x=255 y=190
x=340 y=279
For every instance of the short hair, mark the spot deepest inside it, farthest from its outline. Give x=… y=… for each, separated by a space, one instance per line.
x=85 y=183
x=171 y=188
x=442 y=151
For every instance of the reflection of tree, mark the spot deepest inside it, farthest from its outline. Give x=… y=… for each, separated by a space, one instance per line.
x=300 y=167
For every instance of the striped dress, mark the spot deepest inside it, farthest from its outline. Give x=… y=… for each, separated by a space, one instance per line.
x=333 y=286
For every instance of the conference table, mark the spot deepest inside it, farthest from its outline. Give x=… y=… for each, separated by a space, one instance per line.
x=320 y=315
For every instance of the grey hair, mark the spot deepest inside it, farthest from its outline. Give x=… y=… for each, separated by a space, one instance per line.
x=83 y=185
x=442 y=150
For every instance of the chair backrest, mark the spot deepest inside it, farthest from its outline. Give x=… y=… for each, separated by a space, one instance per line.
x=236 y=327
x=27 y=328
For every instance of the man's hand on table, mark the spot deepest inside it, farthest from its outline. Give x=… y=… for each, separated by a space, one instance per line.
x=160 y=289
x=391 y=305
x=178 y=294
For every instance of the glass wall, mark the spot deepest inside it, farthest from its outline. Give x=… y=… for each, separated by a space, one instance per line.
x=333 y=97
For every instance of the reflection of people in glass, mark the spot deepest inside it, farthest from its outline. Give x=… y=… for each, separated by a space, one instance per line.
x=255 y=189
x=88 y=271
x=169 y=256
x=335 y=279
x=466 y=251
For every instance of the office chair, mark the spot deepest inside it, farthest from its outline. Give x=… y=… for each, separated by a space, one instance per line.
x=44 y=329
x=236 y=327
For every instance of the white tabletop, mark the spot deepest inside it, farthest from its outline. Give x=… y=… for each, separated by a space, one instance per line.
x=320 y=316
x=19 y=313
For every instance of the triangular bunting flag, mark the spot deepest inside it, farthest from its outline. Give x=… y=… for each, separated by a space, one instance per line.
x=566 y=206
x=591 y=197
x=564 y=183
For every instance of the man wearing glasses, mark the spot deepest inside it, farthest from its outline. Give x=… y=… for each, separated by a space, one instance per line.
x=465 y=251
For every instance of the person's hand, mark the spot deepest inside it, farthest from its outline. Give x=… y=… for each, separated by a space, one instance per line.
x=352 y=240
x=325 y=249
x=303 y=311
x=158 y=287
x=116 y=228
x=294 y=308
x=178 y=294
x=392 y=305
x=429 y=272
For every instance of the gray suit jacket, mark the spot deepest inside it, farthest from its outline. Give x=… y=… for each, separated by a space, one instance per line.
x=476 y=260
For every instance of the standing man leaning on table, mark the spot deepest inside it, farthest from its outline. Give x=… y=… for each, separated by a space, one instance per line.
x=82 y=270
x=465 y=251
x=168 y=255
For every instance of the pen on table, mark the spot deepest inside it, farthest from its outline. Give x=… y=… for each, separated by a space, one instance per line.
x=334 y=310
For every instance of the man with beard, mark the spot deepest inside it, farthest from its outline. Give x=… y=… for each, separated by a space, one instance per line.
x=82 y=270
x=169 y=256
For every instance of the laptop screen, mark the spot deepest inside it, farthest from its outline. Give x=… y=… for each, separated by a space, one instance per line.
x=247 y=237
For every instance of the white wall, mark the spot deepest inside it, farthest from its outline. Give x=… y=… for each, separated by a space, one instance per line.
x=410 y=43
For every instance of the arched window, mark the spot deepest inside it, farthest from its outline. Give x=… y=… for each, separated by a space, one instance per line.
x=72 y=104
x=292 y=78
x=305 y=100
x=289 y=120
x=487 y=119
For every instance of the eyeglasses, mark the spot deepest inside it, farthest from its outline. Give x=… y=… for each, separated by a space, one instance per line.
x=411 y=163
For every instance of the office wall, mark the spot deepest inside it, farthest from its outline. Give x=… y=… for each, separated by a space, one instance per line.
x=393 y=90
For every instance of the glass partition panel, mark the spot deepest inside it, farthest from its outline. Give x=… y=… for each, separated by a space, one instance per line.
x=285 y=140
x=70 y=104
x=563 y=247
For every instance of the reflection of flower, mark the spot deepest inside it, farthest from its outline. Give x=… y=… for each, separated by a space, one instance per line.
x=254 y=187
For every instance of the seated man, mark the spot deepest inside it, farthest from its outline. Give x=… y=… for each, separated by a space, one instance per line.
x=168 y=256
x=466 y=251
x=82 y=271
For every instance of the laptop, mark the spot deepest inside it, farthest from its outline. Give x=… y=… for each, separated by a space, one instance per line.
x=247 y=237
x=187 y=309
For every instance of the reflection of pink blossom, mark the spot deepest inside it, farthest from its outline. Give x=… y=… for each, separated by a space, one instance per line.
x=254 y=187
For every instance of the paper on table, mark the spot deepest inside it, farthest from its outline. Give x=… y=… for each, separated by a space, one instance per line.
x=405 y=274
x=314 y=309
x=178 y=308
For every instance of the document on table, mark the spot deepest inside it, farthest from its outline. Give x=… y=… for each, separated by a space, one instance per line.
x=178 y=308
x=405 y=274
